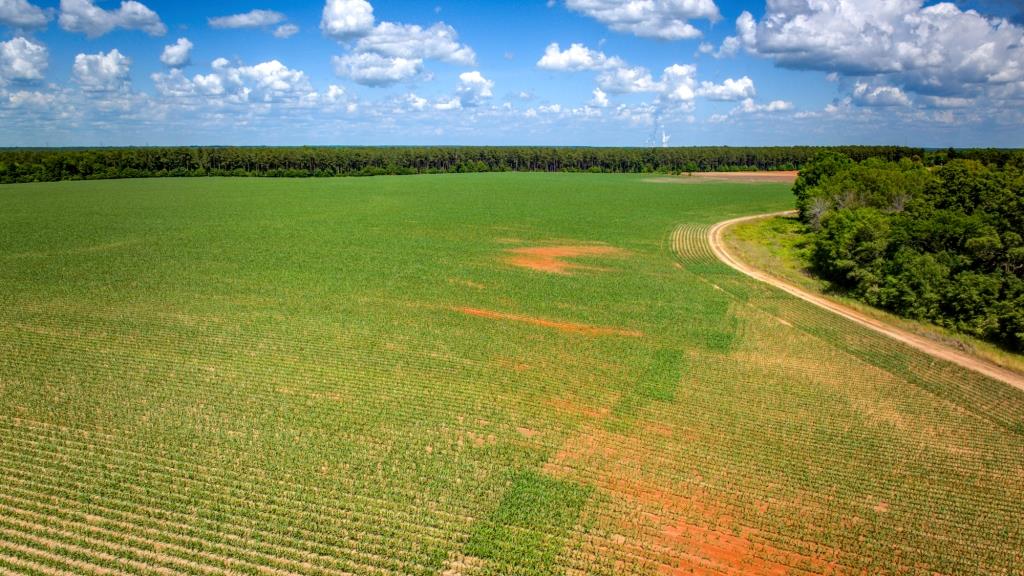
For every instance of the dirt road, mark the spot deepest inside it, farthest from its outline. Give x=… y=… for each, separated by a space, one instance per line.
x=921 y=343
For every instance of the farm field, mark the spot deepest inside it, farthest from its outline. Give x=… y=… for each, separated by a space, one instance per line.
x=464 y=375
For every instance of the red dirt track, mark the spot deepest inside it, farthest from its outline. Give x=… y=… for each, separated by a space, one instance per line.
x=585 y=329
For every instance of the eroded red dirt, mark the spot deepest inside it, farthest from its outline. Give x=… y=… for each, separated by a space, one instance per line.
x=553 y=259
x=585 y=329
x=690 y=527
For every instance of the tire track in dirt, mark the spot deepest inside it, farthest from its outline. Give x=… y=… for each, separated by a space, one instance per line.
x=930 y=347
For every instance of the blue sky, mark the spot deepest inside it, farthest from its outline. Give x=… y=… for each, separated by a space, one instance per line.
x=569 y=72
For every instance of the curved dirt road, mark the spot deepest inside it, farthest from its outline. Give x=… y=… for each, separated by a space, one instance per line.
x=921 y=343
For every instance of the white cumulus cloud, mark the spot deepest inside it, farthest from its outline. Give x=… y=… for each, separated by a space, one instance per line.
x=730 y=89
x=22 y=14
x=22 y=59
x=84 y=16
x=628 y=79
x=388 y=52
x=600 y=98
x=415 y=102
x=372 y=69
x=346 y=19
x=449 y=104
x=664 y=19
x=473 y=88
x=575 y=58
x=748 y=106
x=678 y=81
x=286 y=31
x=937 y=50
x=251 y=19
x=178 y=54
x=102 y=72
x=867 y=95
x=410 y=41
x=269 y=82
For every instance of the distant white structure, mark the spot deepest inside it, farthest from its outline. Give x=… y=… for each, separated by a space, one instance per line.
x=653 y=140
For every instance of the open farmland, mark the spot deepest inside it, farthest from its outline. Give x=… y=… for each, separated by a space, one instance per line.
x=465 y=374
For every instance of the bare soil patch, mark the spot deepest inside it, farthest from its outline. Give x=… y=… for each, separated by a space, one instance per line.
x=780 y=177
x=585 y=329
x=693 y=530
x=553 y=259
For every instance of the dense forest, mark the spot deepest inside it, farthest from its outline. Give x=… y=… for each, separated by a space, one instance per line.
x=38 y=165
x=935 y=242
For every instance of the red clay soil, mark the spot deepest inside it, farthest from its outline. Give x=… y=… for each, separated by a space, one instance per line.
x=712 y=550
x=585 y=329
x=551 y=259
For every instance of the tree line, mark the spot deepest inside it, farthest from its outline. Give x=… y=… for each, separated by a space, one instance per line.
x=52 y=164
x=939 y=242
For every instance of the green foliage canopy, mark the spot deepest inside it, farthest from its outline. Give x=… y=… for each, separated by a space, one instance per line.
x=938 y=243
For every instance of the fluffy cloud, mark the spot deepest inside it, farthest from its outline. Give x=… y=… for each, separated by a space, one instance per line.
x=675 y=89
x=409 y=41
x=748 y=106
x=937 y=50
x=178 y=54
x=664 y=19
x=746 y=36
x=84 y=16
x=473 y=88
x=415 y=102
x=375 y=70
x=628 y=79
x=264 y=83
x=270 y=80
x=251 y=19
x=102 y=72
x=346 y=19
x=678 y=81
x=286 y=31
x=449 y=104
x=575 y=58
x=946 y=102
x=33 y=99
x=22 y=14
x=334 y=94
x=388 y=52
x=866 y=95
x=22 y=59
x=729 y=90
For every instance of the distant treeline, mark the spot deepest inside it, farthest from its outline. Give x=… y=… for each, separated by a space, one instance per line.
x=940 y=243
x=37 y=165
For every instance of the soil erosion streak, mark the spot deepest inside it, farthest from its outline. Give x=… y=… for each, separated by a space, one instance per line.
x=923 y=344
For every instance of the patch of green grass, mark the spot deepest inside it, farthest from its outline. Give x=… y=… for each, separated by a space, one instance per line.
x=655 y=382
x=529 y=529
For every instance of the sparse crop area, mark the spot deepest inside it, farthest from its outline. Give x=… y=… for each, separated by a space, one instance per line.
x=471 y=374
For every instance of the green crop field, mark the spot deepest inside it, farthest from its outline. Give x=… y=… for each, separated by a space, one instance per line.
x=464 y=374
